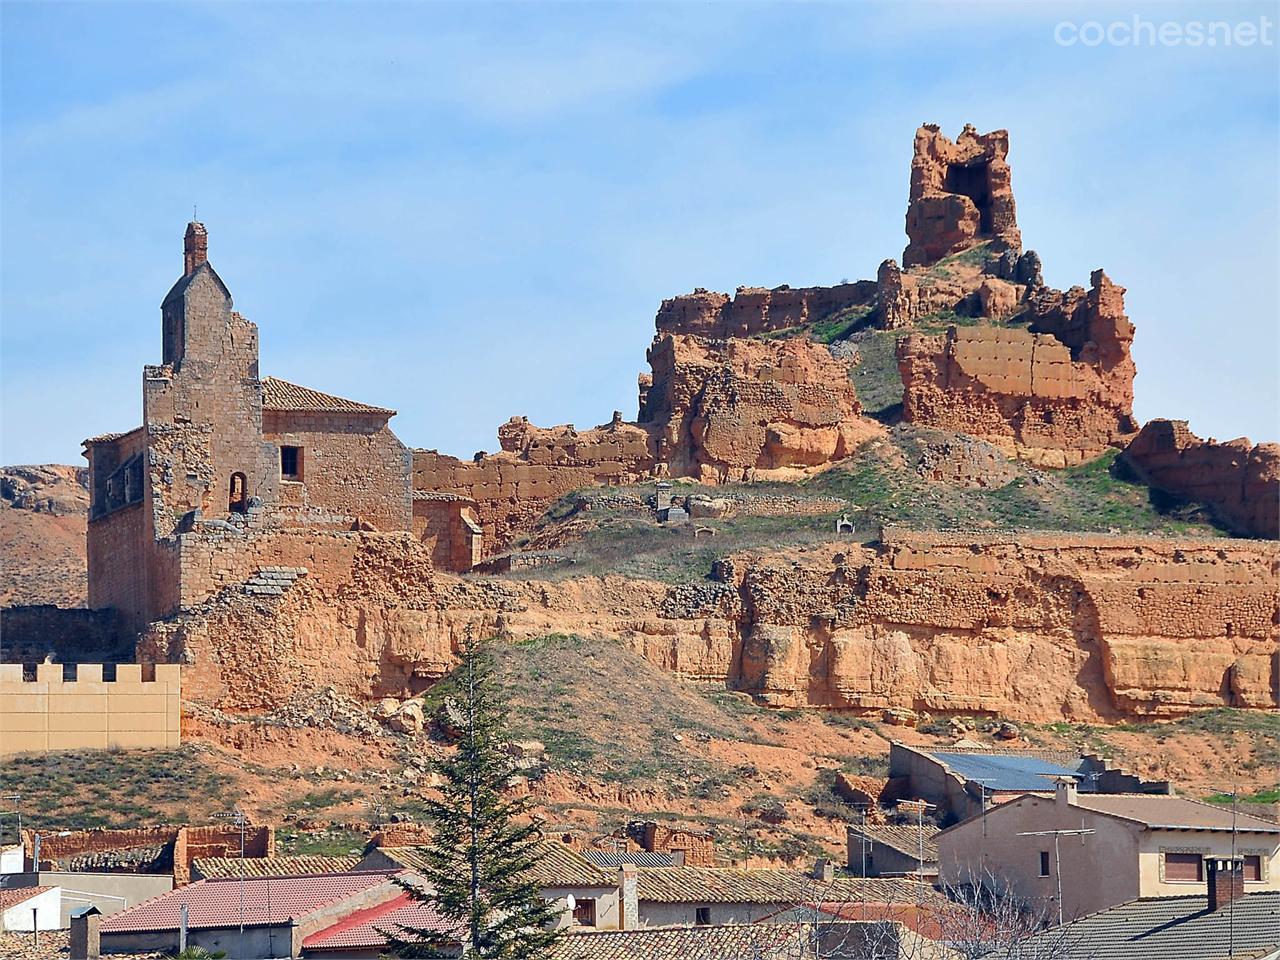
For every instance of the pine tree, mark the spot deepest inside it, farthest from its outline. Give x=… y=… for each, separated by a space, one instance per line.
x=479 y=857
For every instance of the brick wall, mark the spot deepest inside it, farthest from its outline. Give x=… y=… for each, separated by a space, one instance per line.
x=88 y=713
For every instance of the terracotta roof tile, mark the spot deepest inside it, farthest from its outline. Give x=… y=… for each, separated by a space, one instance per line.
x=213 y=868
x=903 y=838
x=558 y=867
x=1155 y=810
x=282 y=395
x=364 y=929
x=15 y=895
x=717 y=885
x=216 y=903
x=760 y=941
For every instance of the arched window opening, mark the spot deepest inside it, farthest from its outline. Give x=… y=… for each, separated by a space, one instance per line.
x=238 y=502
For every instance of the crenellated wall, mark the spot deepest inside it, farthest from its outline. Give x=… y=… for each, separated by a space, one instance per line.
x=51 y=713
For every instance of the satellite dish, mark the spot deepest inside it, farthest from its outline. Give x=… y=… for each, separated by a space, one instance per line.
x=570 y=902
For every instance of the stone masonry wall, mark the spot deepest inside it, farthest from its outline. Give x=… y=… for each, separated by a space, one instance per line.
x=512 y=488
x=1056 y=398
x=1238 y=480
x=353 y=467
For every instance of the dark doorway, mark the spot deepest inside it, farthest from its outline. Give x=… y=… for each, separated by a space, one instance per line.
x=972 y=180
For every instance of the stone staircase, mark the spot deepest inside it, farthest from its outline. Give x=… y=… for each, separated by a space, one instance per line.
x=273 y=581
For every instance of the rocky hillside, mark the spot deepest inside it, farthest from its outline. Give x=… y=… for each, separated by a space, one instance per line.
x=43 y=514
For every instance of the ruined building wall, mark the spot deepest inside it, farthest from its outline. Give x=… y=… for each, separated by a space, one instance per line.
x=960 y=192
x=203 y=410
x=512 y=488
x=756 y=310
x=353 y=468
x=448 y=527
x=1239 y=481
x=1035 y=396
x=738 y=409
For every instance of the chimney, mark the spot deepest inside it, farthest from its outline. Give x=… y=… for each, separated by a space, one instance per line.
x=1226 y=880
x=824 y=870
x=628 y=898
x=195 y=247
x=1065 y=792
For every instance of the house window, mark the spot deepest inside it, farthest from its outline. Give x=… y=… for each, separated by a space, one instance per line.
x=1253 y=867
x=702 y=916
x=584 y=912
x=291 y=463
x=1044 y=863
x=1183 y=867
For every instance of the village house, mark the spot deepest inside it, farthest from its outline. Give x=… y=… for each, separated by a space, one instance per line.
x=891 y=850
x=1138 y=846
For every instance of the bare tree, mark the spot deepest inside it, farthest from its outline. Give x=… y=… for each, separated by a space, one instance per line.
x=978 y=921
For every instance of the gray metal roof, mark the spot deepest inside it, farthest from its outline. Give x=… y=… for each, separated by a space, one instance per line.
x=1007 y=772
x=1160 y=928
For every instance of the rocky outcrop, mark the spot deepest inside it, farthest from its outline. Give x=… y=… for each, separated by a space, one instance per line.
x=740 y=409
x=1057 y=393
x=1040 y=627
x=961 y=192
x=43 y=514
x=756 y=310
x=1239 y=481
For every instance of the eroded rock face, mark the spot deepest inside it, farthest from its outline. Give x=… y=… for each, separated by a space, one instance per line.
x=1238 y=480
x=1086 y=627
x=738 y=409
x=1057 y=393
x=960 y=192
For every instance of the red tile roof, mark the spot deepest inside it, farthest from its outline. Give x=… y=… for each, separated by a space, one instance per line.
x=364 y=928
x=280 y=394
x=15 y=895
x=216 y=903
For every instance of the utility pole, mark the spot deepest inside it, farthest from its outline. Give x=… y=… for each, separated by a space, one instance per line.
x=919 y=806
x=237 y=817
x=1057 y=859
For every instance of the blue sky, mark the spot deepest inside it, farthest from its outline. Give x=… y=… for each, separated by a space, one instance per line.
x=468 y=212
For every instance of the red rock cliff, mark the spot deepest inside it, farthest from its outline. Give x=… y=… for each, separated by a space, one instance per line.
x=1239 y=481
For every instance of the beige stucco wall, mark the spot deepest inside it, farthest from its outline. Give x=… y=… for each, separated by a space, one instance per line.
x=1120 y=861
x=88 y=713
x=1210 y=843
x=1097 y=873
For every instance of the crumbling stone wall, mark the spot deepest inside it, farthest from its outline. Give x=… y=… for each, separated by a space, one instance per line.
x=960 y=192
x=756 y=310
x=1238 y=480
x=179 y=845
x=737 y=409
x=536 y=465
x=30 y=634
x=1057 y=393
x=447 y=525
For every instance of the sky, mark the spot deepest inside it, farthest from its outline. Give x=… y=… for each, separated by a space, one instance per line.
x=468 y=212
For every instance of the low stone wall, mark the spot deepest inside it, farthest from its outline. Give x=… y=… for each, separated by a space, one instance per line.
x=34 y=634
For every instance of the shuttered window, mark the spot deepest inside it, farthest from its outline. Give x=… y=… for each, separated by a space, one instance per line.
x=1253 y=866
x=1183 y=866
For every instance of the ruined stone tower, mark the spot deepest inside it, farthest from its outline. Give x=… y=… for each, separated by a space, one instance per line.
x=960 y=192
